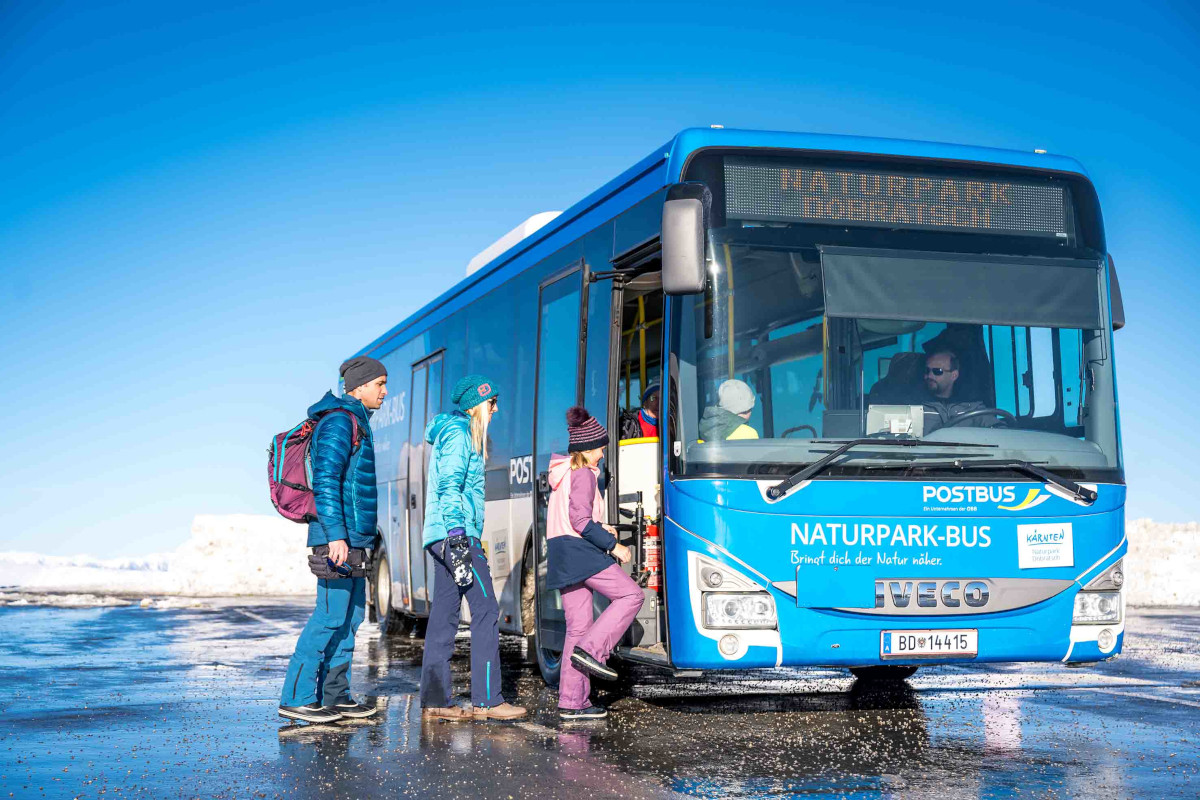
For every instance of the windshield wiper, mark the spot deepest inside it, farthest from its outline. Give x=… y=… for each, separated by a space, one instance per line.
x=778 y=490
x=1080 y=493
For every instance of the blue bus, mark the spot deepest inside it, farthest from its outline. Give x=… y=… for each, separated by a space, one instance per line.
x=916 y=341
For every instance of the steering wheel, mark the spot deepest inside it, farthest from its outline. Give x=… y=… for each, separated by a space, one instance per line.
x=799 y=428
x=981 y=412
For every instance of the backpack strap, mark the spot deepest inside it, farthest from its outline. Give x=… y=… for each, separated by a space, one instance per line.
x=356 y=435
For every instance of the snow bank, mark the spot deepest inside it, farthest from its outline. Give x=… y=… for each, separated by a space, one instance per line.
x=236 y=554
x=1163 y=565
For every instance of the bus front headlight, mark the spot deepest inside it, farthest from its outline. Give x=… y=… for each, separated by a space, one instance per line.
x=1097 y=607
x=740 y=610
x=1111 y=578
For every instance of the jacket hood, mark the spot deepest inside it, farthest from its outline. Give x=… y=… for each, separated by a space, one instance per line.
x=331 y=402
x=560 y=468
x=717 y=424
x=444 y=422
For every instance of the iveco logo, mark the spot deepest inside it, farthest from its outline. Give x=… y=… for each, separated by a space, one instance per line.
x=915 y=595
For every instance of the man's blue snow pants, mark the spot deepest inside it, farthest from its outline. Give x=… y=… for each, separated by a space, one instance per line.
x=319 y=671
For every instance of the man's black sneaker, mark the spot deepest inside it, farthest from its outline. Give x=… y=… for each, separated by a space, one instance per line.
x=585 y=661
x=310 y=713
x=591 y=712
x=353 y=710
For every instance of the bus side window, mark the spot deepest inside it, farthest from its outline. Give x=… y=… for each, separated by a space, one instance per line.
x=1030 y=379
x=1009 y=353
x=1042 y=367
x=797 y=399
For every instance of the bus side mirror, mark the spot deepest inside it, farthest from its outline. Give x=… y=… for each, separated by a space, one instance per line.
x=1115 y=300
x=684 y=225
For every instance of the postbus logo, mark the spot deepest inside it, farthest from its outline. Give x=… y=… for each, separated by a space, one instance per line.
x=1005 y=497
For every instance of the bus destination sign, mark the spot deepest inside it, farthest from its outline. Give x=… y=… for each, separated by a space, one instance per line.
x=773 y=192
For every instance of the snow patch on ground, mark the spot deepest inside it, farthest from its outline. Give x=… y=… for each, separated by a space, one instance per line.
x=61 y=600
x=236 y=554
x=1163 y=564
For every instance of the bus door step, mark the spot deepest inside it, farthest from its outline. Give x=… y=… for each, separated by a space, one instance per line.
x=655 y=656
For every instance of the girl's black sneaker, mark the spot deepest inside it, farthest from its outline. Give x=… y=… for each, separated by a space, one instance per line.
x=573 y=714
x=593 y=666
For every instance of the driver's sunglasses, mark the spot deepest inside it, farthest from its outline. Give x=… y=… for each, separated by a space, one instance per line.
x=494 y=403
x=938 y=371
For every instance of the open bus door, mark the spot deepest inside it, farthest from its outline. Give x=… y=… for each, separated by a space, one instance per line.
x=618 y=320
x=561 y=348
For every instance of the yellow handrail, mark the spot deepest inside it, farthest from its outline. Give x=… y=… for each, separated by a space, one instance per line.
x=642 y=342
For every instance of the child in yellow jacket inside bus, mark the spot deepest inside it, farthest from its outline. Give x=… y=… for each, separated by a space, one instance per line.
x=727 y=419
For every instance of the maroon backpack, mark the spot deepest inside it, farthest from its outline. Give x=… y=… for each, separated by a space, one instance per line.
x=288 y=469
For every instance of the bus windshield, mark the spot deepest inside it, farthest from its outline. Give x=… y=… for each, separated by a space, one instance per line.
x=793 y=348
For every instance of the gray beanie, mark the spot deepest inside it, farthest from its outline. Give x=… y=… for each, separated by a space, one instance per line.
x=736 y=396
x=359 y=370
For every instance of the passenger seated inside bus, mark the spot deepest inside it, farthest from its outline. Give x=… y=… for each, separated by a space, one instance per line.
x=727 y=419
x=642 y=423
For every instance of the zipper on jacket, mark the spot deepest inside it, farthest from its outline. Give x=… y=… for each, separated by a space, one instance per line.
x=355 y=460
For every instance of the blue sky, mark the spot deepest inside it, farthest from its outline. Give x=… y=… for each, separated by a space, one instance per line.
x=204 y=211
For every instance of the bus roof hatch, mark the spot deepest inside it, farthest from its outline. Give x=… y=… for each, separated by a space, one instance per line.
x=508 y=240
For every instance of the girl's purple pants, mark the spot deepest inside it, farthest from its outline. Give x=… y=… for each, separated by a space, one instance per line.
x=598 y=636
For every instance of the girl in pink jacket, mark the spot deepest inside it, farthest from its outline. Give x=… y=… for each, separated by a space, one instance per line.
x=584 y=556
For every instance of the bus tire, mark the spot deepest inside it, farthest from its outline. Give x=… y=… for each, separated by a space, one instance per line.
x=528 y=604
x=547 y=660
x=372 y=555
x=391 y=621
x=883 y=674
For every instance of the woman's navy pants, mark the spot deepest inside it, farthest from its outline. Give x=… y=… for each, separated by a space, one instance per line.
x=444 y=614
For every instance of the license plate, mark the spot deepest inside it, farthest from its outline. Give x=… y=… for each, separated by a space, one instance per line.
x=928 y=644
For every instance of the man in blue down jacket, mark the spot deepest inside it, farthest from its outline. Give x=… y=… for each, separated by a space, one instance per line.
x=342 y=455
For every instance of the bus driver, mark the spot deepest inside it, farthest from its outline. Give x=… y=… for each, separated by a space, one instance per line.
x=941 y=374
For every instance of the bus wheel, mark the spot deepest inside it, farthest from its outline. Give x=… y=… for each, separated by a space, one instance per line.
x=883 y=674
x=528 y=606
x=391 y=622
x=548 y=661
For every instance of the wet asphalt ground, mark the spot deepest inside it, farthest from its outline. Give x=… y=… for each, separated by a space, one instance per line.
x=173 y=701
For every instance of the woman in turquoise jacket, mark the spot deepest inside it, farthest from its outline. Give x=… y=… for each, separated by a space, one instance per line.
x=453 y=538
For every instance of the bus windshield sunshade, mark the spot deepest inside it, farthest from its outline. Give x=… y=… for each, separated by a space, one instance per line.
x=965 y=288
